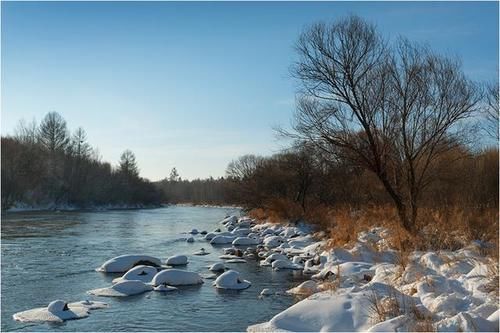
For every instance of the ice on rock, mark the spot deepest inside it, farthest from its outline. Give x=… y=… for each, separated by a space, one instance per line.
x=177 y=260
x=231 y=280
x=122 y=289
x=176 y=277
x=123 y=263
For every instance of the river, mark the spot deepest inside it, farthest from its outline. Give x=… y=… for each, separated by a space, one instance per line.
x=53 y=255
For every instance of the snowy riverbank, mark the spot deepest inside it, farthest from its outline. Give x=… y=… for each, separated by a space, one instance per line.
x=370 y=287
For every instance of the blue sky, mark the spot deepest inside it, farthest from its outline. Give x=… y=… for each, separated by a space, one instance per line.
x=191 y=84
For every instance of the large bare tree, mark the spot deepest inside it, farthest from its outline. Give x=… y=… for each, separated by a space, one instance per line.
x=492 y=110
x=389 y=108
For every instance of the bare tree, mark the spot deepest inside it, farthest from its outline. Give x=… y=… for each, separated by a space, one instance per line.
x=391 y=110
x=26 y=132
x=491 y=111
x=243 y=167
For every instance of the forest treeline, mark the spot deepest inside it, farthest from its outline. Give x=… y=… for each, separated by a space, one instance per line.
x=46 y=165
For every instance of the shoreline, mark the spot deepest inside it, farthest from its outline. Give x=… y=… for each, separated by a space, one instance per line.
x=99 y=208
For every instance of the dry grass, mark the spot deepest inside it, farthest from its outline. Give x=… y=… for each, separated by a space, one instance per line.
x=493 y=278
x=446 y=228
x=394 y=305
x=383 y=308
x=277 y=211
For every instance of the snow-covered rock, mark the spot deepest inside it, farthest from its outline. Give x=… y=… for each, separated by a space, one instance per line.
x=123 y=288
x=285 y=264
x=210 y=235
x=219 y=239
x=201 y=252
x=190 y=240
x=193 y=232
x=273 y=257
x=273 y=241
x=245 y=241
x=231 y=280
x=142 y=273
x=305 y=288
x=59 y=311
x=229 y=220
x=176 y=277
x=266 y=292
x=236 y=261
x=123 y=263
x=177 y=260
x=218 y=267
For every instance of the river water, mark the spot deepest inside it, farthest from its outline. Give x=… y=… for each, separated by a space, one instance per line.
x=53 y=255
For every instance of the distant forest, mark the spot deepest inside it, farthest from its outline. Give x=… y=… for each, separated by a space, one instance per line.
x=47 y=166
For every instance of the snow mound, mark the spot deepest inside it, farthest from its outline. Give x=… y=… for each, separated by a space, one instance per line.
x=346 y=311
x=59 y=311
x=142 y=273
x=122 y=289
x=177 y=260
x=176 y=277
x=231 y=280
x=123 y=263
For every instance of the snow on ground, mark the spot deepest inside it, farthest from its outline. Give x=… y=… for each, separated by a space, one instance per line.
x=363 y=288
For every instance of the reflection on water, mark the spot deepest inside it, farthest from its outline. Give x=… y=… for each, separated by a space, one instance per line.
x=49 y=255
